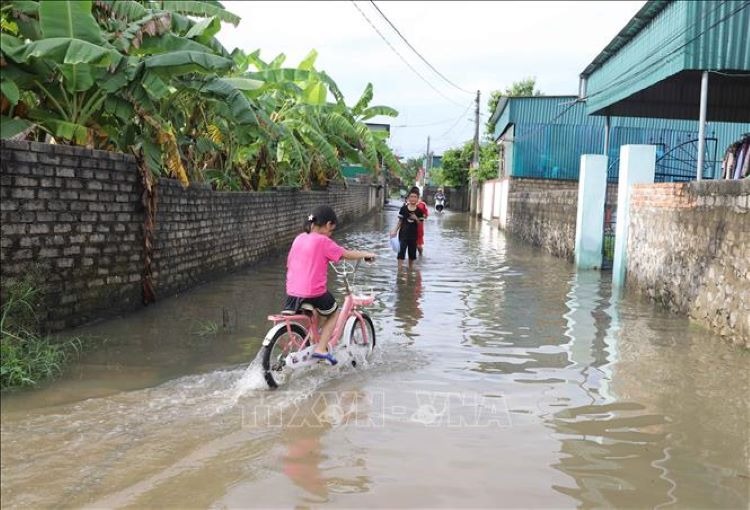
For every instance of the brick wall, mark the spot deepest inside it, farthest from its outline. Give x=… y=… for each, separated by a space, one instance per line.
x=689 y=248
x=201 y=232
x=76 y=215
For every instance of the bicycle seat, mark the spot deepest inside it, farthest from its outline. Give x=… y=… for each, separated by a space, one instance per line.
x=304 y=308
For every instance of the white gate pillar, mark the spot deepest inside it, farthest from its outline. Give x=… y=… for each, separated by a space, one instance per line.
x=592 y=188
x=637 y=166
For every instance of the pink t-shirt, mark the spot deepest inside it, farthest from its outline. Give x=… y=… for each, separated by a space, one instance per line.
x=307 y=264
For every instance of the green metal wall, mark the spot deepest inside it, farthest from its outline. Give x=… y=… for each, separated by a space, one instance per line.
x=550 y=135
x=720 y=36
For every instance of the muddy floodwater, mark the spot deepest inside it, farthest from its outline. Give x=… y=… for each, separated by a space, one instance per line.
x=501 y=378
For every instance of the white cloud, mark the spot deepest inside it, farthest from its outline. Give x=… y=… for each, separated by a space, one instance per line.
x=477 y=45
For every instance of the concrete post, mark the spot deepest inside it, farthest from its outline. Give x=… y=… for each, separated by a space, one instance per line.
x=637 y=166
x=592 y=190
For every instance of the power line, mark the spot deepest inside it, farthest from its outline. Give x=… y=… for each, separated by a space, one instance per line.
x=401 y=57
x=462 y=116
x=415 y=50
x=423 y=125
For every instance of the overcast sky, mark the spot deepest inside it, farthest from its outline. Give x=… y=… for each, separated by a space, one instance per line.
x=476 y=45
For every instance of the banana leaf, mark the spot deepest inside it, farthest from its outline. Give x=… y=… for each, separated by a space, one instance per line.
x=315 y=93
x=308 y=63
x=154 y=85
x=168 y=43
x=60 y=128
x=11 y=127
x=200 y=9
x=240 y=107
x=363 y=101
x=10 y=91
x=80 y=77
x=70 y=20
x=374 y=111
x=128 y=10
x=119 y=107
x=204 y=30
x=183 y=62
x=281 y=75
x=64 y=50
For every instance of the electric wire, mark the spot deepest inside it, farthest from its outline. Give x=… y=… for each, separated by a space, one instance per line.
x=445 y=121
x=460 y=117
x=417 y=52
x=401 y=57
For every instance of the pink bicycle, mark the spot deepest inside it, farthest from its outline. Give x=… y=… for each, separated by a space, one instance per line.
x=290 y=342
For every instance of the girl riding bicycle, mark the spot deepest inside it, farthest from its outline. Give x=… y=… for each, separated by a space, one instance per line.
x=307 y=267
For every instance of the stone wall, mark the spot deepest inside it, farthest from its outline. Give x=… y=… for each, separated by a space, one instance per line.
x=689 y=248
x=539 y=211
x=544 y=218
x=75 y=215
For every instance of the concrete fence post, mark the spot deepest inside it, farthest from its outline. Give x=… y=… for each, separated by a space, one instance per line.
x=637 y=166
x=592 y=189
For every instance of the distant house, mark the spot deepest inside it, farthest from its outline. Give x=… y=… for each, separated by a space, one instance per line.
x=354 y=171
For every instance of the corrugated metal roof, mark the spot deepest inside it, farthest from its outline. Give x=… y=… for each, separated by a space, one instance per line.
x=676 y=37
x=633 y=27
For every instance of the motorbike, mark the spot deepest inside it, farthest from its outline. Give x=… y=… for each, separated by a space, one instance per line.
x=439 y=203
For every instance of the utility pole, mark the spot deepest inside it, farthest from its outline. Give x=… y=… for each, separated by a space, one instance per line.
x=426 y=164
x=474 y=161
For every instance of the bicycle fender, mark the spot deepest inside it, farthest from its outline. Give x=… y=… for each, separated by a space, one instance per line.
x=349 y=327
x=272 y=332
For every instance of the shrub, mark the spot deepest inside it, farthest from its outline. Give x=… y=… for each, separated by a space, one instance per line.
x=26 y=356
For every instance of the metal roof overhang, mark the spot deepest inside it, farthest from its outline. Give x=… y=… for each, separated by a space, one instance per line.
x=677 y=97
x=653 y=67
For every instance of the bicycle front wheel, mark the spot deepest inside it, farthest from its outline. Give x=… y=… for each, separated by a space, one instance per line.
x=360 y=339
x=285 y=341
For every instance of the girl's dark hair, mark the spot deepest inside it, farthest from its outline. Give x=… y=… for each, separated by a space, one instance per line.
x=414 y=190
x=320 y=216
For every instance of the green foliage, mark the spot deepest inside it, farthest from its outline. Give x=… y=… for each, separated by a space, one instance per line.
x=456 y=164
x=150 y=77
x=26 y=356
x=525 y=87
x=409 y=170
x=488 y=161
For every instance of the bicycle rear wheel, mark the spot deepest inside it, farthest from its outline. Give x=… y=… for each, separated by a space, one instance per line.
x=284 y=342
x=360 y=339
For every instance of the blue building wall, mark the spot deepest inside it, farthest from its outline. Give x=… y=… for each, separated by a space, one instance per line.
x=552 y=132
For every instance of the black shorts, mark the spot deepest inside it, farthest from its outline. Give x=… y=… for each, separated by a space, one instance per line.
x=407 y=244
x=325 y=304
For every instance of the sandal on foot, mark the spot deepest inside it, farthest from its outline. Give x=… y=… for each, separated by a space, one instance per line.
x=327 y=356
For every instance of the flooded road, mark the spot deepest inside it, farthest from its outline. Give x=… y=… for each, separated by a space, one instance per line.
x=501 y=379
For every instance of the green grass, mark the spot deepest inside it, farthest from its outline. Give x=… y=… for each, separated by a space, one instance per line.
x=609 y=247
x=204 y=328
x=26 y=356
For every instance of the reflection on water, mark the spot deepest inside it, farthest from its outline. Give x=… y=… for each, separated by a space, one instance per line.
x=502 y=377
